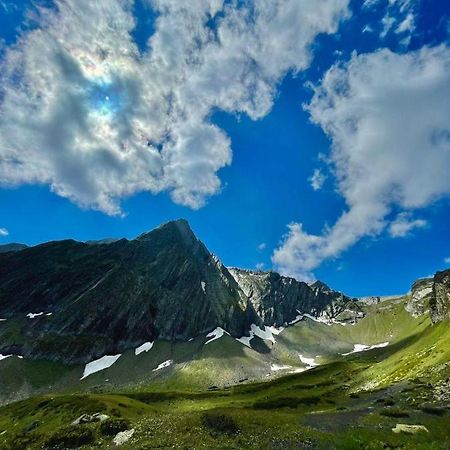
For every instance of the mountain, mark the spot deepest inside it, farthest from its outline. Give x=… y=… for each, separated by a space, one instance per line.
x=86 y=300
x=279 y=300
x=76 y=301
x=157 y=337
x=13 y=247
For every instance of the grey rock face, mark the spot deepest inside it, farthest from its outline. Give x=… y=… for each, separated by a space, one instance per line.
x=421 y=293
x=279 y=300
x=106 y=298
x=431 y=295
x=440 y=300
x=75 y=301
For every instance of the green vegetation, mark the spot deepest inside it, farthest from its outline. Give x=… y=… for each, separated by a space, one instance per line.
x=350 y=402
x=111 y=427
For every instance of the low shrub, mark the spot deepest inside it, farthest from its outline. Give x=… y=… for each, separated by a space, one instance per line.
x=219 y=423
x=21 y=442
x=286 y=402
x=111 y=427
x=70 y=437
x=434 y=410
x=397 y=413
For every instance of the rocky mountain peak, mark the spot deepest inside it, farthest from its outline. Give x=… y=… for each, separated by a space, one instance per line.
x=320 y=286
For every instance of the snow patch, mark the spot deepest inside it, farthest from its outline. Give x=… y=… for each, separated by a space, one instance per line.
x=297 y=319
x=33 y=315
x=266 y=334
x=291 y=369
x=309 y=362
x=326 y=321
x=99 y=364
x=245 y=340
x=357 y=348
x=163 y=365
x=203 y=287
x=2 y=320
x=4 y=356
x=143 y=348
x=216 y=334
x=275 y=331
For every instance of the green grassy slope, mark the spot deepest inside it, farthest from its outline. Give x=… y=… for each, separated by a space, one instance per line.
x=348 y=402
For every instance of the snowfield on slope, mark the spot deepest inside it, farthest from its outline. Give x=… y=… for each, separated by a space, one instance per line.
x=364 y=348
x=267 y=334
x=145 y=347
x=99 y=364
x=216 y=334
x=163 y=365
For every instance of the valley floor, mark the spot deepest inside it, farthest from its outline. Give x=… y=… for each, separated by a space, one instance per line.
x=388 y=397
x=313 y=410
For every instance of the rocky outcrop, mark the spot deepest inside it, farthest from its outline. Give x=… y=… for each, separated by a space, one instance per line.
x=431 y=295
x=278 y=300
x=421 y=293
x=440 y=300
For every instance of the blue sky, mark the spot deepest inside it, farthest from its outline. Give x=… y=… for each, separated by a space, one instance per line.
x=358 y=94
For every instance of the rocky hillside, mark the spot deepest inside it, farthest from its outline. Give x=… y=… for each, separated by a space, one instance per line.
x=13 y=247
x=278 y=300
x=75 y=301
x=431 y=295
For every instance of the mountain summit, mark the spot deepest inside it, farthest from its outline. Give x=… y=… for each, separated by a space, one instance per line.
x=75 y=301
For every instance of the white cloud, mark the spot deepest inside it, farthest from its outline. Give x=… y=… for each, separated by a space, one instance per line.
x=262 y=246
x=399 y=17
x=260 y=266
x=317 y=179
x=4 y=232
x=388 y=117
x=447 y=260
x=403 y=224
x=370 y=3
x=84 y=112
x=407 y=24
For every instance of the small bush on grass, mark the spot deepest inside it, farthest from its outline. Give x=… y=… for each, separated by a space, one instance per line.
x=219 y=423
x=397 y=413
x=286 y=402
x=434 y=410
x=70 y=437
x=21 y=442
x=111 y=427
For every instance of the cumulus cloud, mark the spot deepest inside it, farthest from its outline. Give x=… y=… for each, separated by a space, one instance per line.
x=447 y=260
x=262 y=246
x=403 y=224
x=317 y=179
x=85 y=112
x=260 y=266
x=388 y=118
x=4 y=232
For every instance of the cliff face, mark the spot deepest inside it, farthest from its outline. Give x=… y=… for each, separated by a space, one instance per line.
x=104 y=298
x=75 y=301
x=440 y=300
x=279 y=300
x=431 y=295
x=421 y=293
